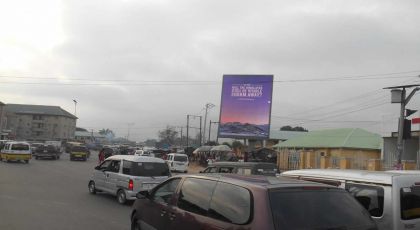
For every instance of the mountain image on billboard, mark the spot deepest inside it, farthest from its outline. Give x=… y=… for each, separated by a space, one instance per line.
x=246 y=106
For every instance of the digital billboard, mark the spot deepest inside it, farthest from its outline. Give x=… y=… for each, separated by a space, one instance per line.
x=245 y=108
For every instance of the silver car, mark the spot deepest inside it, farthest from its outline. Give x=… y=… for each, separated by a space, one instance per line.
x=126 y=175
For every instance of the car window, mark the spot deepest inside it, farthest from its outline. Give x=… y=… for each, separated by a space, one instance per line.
x=410 y=203
x=104 y=165
x=317 y=209
x=20 y=147
x=195 y=195
x=230 y=203
x=370 y=197
x=164 y=193
x=266 y=169
x=244 y=171
x=181 y=158
x=210 y=170
x=115 y=166
x=146 y=169
x=226 y=169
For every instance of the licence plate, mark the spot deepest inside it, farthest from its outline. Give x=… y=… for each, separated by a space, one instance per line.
x=179 y=163
x=78 y=155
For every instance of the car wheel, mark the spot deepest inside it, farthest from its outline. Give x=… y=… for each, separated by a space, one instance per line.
x=36 y=158
x=121 y=198
x=27 y=161
x=134 y=224
x=92 y=188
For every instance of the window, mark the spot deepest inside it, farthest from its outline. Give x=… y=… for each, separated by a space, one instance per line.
x=226 y=169
x=104 y=165
x=317 y=209
x=181 y=158
x=371 y=197
x=114 y=166
x=210 y=170
x=145 y=168
x=230 y=203
x=195 y=195
x=164 y=193
x=410 y=203
x=20 y=147
x=244 y=171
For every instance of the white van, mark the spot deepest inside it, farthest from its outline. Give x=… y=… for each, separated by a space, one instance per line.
x=392 y=198
x=16 y=151
x=125 y=175
x=178 y=162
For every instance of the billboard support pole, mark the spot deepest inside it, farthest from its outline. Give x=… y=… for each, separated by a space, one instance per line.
x=201 y=134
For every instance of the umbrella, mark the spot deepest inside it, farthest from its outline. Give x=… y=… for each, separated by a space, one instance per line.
x=221 y=148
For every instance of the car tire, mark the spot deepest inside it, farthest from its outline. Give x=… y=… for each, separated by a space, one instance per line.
x=134 y=224
x=27 y=161
x=92 y=188
x=36 y=158
x=121 y=198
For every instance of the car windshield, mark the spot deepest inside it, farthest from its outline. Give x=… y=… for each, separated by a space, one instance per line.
x=181 y=158
x=148 y=169
x=20 y=147
x=79 y=149
x=317 y=208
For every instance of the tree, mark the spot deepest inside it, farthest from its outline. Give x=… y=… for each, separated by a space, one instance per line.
x=290 y=128
x=167 y=136
x=108 y=133
x=150 y=142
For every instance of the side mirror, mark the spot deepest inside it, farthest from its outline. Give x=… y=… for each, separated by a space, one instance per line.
x=143 y=195
x=98 y=167
x=200 y=172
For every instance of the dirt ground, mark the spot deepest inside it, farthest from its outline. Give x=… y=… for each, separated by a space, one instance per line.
x=195 y=168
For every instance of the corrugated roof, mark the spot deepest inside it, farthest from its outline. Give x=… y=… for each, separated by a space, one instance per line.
x=335 y=138
x=38 y=109
x=284 y=135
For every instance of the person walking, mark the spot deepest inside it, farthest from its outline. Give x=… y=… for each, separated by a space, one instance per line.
x=101 y=156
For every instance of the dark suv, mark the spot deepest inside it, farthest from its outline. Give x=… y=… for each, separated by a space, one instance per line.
x=236 y=202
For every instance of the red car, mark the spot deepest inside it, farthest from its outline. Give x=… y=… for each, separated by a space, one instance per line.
x=236 y=202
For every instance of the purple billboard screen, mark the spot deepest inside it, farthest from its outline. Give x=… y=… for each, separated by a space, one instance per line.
x=246 y=106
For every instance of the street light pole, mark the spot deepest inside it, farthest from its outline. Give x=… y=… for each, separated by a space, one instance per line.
x=399 y=96
x=75 y=107
x=188 y=125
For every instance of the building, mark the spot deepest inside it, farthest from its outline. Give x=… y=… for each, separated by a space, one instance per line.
x=89 y=137
x=2 y=122
x=410 y=155
x=333 y=148
x=38 y=122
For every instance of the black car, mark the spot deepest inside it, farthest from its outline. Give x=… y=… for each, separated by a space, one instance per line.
x=47 y=151
x=237 y=202
x=243 y=168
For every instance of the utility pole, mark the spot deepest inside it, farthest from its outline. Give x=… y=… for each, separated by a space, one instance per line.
x=128 y=131
x=188 y=121
x=208 y=106
x=75 y=107
x=398 y=95
x=212 y=122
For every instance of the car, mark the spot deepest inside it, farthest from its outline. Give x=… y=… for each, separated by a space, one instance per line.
x=47 y=151
x=16 y=151
x=125 y=175
x=79 y=152
x=178 y=162
x=231 y=201
x=392 y=198
x=244 y=168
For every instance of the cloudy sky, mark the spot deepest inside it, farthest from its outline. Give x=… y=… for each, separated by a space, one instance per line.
x=145 y=64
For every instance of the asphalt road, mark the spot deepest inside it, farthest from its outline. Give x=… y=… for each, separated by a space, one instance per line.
x=53 y=194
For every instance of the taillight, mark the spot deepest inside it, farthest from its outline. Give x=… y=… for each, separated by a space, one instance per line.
x=130 y=184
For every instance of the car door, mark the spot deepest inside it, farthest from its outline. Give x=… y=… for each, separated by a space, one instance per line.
x=154 y=213
x=99 y=175
x=112 y=176
x=192 y=206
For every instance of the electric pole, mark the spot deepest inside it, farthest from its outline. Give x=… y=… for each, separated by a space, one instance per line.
x=208 y=106
x=398 y=95
x=188 y=126
x=188 y=121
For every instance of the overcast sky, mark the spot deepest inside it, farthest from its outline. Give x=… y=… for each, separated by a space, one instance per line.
x=152 y=62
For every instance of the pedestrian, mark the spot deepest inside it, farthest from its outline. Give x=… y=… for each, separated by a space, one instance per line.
x=101 y=156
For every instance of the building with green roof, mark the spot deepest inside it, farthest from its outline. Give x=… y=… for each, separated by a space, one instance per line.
x=331 y=148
